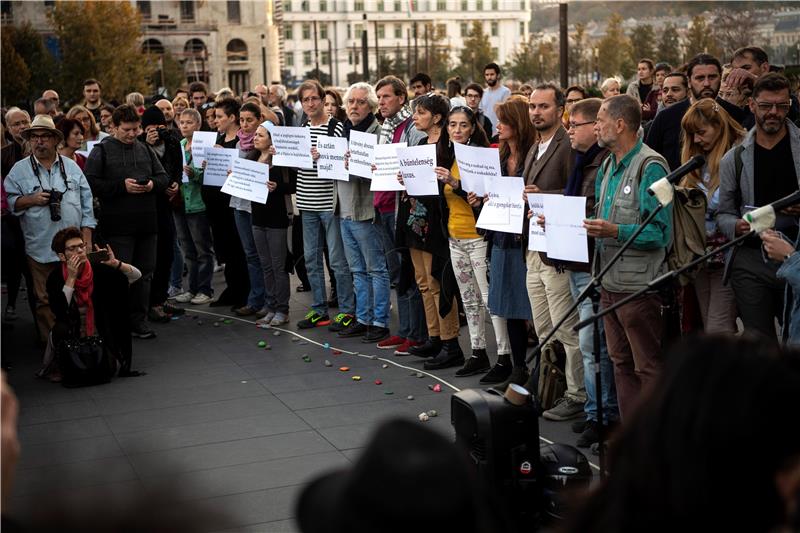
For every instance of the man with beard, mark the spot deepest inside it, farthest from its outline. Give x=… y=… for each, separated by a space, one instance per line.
x=705 y=75
x=494 y=94
x=768 y=161
x=674 y=89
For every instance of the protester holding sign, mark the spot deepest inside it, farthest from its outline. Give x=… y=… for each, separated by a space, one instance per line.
x=467 y=248
x=420 y=226
x=507 y=251
x=360 y=236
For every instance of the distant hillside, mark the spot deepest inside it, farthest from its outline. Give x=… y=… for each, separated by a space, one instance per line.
x=546 y=15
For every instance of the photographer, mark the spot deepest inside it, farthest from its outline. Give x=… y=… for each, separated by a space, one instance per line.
x=166 y=144
x=48 y=192
x=127 y=176
x=86 y=296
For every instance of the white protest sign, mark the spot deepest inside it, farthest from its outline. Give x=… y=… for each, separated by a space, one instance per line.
x=505 y=209
x=477 y=166
x=89 y=146
x=292 y=147
x=218 y=162
x=200 y=141
x=537 y=240
x=417 y=165
x=386 y=167
x=362 y=153
x=330 y=164
x=184 y=175
x=563 y=223
x=248 y=180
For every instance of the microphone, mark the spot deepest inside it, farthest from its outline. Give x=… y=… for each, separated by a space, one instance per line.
x=763 y=218
x=662 y=189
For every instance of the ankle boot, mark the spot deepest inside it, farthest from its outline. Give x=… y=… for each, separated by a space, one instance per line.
x=477 y=364
x=451 y=355
x=429 y=348
x=499 y=372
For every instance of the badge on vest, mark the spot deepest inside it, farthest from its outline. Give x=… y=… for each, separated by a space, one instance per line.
x=627 y=189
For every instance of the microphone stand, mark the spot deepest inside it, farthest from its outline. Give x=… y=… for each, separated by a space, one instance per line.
x=672 y=274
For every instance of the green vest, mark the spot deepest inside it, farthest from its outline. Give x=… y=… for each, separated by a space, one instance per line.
x=636 y=268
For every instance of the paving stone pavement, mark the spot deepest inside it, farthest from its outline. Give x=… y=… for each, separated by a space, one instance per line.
x=236 y=427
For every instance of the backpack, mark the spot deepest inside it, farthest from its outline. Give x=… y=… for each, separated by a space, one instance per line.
x=552 y=378
x=689 y=230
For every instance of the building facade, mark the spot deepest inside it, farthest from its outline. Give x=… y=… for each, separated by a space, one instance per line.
x=328 y=32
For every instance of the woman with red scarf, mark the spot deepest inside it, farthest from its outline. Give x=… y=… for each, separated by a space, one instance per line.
x=91 y=298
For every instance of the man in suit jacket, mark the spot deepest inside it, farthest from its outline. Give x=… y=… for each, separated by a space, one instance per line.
x=547 y=168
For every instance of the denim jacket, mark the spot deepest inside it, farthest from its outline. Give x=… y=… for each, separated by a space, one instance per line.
x=790 y=272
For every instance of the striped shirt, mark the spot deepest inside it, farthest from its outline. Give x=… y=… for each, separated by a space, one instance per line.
x=313 y=193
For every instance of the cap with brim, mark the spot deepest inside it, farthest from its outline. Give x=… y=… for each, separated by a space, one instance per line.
x=42 y=123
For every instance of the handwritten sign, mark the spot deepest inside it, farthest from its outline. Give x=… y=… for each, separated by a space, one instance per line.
x=218 y=162
x=477 y=166
x=292 y=147
x=248 y=180
x=566 y=236
x=330 y=164
x=537 y=240
x=386 y=168
x=417 y=166
x=505 y=209
x=362 y=153
x=200 y=141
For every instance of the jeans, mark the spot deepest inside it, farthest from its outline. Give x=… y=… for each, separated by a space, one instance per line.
x=176 y=272
x=326 y=223
x=577 y=283
x=140 y=251
x=244 y=225
x=194 y=235
x=759 y=292
x=364 y=252
x=386 y=231
x=271 y=245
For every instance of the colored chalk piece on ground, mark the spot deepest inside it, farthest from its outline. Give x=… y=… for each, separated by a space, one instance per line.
x=336 y=352
x=409 y=397
x=378 y=382
x=384 y=365
x=261 y=344
x=437 y=388
x=388 y=393
x=328 y=363
x=344 y=368
x=326 y=345
x=356 y=378
x=277 y=334
x=216 y=324
x=228 y=321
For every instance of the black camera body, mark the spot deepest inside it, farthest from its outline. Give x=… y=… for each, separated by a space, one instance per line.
x=55 y=204
x=163 y=133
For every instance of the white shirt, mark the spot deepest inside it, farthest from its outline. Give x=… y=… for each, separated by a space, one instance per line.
x=543 y=146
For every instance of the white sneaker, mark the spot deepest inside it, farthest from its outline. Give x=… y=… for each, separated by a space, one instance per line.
x=279 y=320
x=265 y=321
x=173 y=292
x=184 y=298
x=201 y=299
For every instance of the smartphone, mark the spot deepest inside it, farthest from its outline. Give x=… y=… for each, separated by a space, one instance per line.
x=142 y=181
x=97 y=257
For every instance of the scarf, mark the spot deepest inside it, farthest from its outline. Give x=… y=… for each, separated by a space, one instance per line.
x=575 y=181
x=245 y=140
x=361 y=126
x=84 y=286
x=390 y=124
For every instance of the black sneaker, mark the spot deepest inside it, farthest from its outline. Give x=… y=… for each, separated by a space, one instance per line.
x=579 y=425
x=313 y=320
x=142 y=331
x=589 y=436
x=498 y=374
x=341 y=322
x=375 y=334
x=519 y=376
x=477 y=364
x=355 y=329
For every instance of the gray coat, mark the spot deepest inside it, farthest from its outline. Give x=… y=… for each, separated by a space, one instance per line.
x=728 y=212
x=354 y=196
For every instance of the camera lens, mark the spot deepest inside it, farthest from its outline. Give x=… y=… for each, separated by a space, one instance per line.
x=55 y=205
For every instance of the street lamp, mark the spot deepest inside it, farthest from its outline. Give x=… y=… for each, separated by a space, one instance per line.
x=263 y=59
x=541 y=67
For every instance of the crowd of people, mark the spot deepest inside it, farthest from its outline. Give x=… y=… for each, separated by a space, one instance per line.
x=116 y=185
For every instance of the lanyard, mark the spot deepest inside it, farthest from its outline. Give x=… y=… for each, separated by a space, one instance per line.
x=61 y=168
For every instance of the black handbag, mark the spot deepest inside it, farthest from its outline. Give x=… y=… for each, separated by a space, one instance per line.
x=84 y=361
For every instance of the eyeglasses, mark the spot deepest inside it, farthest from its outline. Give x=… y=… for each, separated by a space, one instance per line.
x=782 y=107
x=356 y=101
x=76 y=247
x=309 y=99
x=36 y=138
x=575 y=125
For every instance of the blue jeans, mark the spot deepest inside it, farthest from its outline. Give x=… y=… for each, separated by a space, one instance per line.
x=315 y=225
x=176 y=270
x=244 y=225
x=194 y=234
x=577 y=283
x=364 y=252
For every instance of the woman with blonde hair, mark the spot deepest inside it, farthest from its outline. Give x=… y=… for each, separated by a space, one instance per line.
x=710 y=131
x=91 y=131
x=610 y=87
x=136 y=100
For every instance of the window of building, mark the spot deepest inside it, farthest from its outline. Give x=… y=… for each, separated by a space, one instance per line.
x=381 y=31
x=234 y=12
x=350 y=57
x=441 y=5
x=304 y=6
x=359 y=30
x=152 y=46
x=287 y=6
x=323 y=6
x=288 y=34
x=194 y=48
x=381 y=6
x=239 y=81
x=464 y=5
x=289 y=59
x=324 y=58
x=441 y=31
x=398 y=31
x=494 y=27
x=358 y=5
x=495 y=52
x=323 y=30
x=306 y=32
x=397 y=6
x=236 y=50
x=478 y=5
x=522 y=28
x=349 y=31
x=464 y=29
x=187 y=10
x=494 y=5
x=307 y=58
x=522 y=5
x=144 y=8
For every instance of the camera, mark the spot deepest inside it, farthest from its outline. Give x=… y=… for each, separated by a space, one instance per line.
x=163 y=134
x=55 y=204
